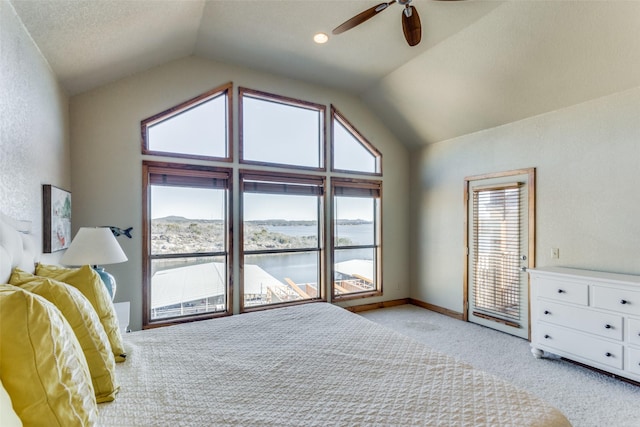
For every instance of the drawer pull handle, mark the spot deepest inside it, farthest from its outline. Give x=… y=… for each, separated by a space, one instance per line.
x=547 y=337
x=561 y=291
x=608 y=354
x=547 y=312
x=608 y=326
x=624 y=301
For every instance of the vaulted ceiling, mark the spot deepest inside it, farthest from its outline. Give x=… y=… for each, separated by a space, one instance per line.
x=480 y=64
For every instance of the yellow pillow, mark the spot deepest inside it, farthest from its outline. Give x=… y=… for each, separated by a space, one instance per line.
x=88 y=281
x=8 y=416
x=85 y=324
x=41 y=363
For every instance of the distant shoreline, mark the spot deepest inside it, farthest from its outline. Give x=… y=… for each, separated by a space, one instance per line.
x=179 y=235
x=264 y=222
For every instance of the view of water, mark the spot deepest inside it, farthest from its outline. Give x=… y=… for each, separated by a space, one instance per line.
x=299 y=267
x=359 y=234
x=303 y=267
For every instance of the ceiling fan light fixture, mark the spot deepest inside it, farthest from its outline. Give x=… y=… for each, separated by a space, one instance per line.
x=320 y=38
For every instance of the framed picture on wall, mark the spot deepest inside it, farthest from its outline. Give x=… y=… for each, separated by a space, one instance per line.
x=56 y=217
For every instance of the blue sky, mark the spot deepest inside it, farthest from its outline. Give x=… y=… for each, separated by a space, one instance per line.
x=272 y=132
x=198 y=203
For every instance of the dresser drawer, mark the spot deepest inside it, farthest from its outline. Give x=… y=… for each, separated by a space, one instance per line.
x=560 y=290
x=581 y=345
x=622 y=300
x=633 y=331
x=633 y=360
x=603 y=324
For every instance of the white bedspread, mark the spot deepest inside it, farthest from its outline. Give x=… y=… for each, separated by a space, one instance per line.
x=307 y=365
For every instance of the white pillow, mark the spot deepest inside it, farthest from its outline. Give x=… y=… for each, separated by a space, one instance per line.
x=8 y=416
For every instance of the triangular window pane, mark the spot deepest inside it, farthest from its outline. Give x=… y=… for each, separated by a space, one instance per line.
x=351 y=152
x=196 y=128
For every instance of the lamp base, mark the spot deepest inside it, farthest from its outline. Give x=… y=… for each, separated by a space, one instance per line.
x=108 y=280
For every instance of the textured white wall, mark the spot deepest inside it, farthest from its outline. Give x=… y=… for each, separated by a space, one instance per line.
x=34 y=146
x=107 y=172
x=588 y=205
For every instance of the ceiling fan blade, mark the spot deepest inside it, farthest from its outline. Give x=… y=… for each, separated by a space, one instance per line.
x=411 y=25
x=361 y=17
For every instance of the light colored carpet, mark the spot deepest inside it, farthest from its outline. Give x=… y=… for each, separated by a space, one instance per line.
x=586 y=397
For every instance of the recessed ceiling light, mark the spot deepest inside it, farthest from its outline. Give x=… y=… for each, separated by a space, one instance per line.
x=320 y=38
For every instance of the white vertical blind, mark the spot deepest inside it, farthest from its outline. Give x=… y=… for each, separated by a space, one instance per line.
x=496 y=260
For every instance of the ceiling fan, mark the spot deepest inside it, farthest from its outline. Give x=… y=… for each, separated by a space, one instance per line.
x=410 y=20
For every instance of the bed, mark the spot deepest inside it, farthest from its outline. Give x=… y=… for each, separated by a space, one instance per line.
x=306 y=365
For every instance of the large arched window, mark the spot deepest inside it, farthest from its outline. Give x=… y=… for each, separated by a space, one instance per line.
x=306 y=233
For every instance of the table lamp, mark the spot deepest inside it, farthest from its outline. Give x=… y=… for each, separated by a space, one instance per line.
x=94 y=246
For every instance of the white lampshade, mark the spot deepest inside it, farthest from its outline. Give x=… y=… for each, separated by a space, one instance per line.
x=93 y=246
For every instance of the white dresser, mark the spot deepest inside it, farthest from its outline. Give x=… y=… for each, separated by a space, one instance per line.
x=587 y=316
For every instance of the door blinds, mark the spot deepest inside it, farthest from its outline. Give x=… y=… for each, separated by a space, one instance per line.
x=496 y=268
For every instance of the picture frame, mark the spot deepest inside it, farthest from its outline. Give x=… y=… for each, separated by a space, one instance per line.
x=56 y=218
